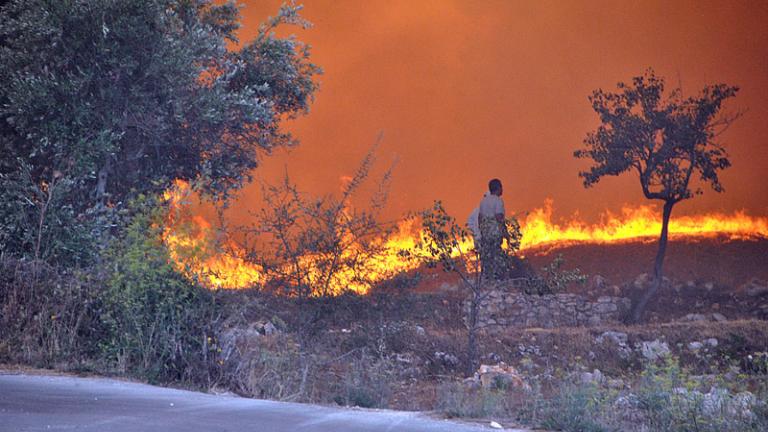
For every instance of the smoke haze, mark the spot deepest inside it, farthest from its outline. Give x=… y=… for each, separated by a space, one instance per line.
x=469 y=90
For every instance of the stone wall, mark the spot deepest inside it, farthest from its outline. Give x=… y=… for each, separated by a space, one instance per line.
x=505 y=308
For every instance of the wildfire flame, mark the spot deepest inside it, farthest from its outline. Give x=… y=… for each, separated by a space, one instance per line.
x=196 y=252
x=636 y=223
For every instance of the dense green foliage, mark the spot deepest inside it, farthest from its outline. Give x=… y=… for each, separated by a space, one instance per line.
x=103 y=103
x=136 y=315
x=104 y=99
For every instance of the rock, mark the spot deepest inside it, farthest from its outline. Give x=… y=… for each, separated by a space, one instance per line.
x=606 y=307
x=695 y=346
x=720 y=403
x=269 y=328
x=618 y=338
x=641 y=280
x=719 y=317
x=616 y=383
x=654 y=350
x=445 y=286
x=690 y=284
x=594 y=377
x=404 y=358
x=447 y=359
x=598 y=282
x=500 y=374
x=495 y=425
x=594 y=321
x=755 y=287
x=709 y=286
x=712 y=342
x=695 y=317
x=627 y=403
x=420 y=331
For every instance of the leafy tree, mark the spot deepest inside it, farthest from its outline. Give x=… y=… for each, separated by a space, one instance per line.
x=110 y=98
x=667 y=141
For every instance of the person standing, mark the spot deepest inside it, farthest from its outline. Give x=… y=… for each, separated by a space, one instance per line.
x=493 y=231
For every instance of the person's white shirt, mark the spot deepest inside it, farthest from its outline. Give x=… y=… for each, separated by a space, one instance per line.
x=473 y=222
x=491 y=205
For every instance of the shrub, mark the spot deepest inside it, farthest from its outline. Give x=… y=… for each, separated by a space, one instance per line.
x=459 y=400
x=159 y=324
x=48 y=316
x=266 y=367
x=367 y=382
x=670 y=401
x=576 y=408
x=553 y=278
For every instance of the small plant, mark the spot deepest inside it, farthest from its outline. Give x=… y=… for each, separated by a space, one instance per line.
x=670 y=400
x=577 y=408
x=459 y=400
x=367 y=382
x=756 y=363
x=553 y=279
x=268 y=368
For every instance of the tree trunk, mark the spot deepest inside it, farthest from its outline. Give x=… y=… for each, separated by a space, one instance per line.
x=472 y=334
x=639 y=309
x=101 y=182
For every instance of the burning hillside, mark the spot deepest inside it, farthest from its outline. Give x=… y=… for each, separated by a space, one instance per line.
x=198 y=251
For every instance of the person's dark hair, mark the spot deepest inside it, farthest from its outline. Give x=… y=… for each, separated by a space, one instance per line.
x=494 y=185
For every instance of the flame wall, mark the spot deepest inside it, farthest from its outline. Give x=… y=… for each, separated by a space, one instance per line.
x=198 y=253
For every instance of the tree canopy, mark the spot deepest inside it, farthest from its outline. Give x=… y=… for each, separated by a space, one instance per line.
x=665 y=141
x=105 y=99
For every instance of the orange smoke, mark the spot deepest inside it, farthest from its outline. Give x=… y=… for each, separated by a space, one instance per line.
x=198 y=253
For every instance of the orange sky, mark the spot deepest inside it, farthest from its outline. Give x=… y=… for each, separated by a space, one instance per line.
x=469 y=90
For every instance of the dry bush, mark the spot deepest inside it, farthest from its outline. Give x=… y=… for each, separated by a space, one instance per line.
x=266 y=367
x=49 y=316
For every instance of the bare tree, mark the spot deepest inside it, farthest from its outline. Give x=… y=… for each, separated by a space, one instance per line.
x=667 y=141
x=445 y=243
x=320 y=246
x=314 y=248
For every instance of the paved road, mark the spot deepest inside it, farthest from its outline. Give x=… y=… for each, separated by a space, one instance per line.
x=59 y=403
